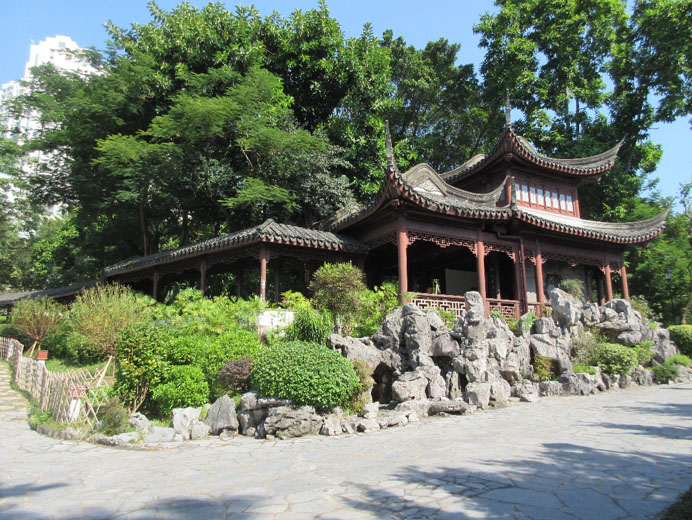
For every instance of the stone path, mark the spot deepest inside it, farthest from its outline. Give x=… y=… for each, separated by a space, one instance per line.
x=12 y=404
x=623 y=454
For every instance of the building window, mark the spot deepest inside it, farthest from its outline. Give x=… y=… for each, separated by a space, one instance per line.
x=541 y=200
x=570 y=204
x=532 y=195
x=563 y=205
x=524 y=193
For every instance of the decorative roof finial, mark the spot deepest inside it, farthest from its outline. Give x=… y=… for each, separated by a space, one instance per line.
x=508 y=110
x=389 y=148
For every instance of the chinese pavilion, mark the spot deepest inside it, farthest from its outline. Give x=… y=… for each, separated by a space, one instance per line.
x=506 y=224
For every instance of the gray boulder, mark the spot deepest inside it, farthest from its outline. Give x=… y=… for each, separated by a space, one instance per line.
x=182 y=420
x=478 y=394
x=456 y=406
x=417 y=331
x=198 y=430
x=222 y=416
x=411 y=385
x=140 y=423
x=368 y=425
x=159 y=434
x=390 y=334
x=357 y=349
x=286 y=422
x=549 y=388
x=475 y=307
x=567 y=311
x=642 y=376
x=579 y=384
x=332 y=426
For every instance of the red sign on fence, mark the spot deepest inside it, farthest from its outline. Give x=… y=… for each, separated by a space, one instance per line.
x=42 y=355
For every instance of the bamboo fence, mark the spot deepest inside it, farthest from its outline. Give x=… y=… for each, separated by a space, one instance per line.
x=70 y=397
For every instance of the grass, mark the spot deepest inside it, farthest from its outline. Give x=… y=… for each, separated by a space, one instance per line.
x=681 y=509
x=65 y=365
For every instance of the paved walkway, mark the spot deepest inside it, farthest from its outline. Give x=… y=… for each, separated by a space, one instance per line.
x=624 y=454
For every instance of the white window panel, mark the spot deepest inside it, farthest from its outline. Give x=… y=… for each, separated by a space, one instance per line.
x=532 y=195
x=541 y=200
x=556 y=203
x=563 y=205
x=524 y=193
x=570 y=204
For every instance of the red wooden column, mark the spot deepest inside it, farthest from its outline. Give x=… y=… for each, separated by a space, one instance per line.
x=155 y=290
x=203 y=275
x=402 y=245
x=539 y=273
x=608 y=282
x=480 y=268
x=264 y=260
x=625 y=285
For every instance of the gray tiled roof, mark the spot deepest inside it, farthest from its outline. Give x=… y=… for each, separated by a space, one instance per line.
x=620 y=232
x=9 y=299
x=269 y=232
x=521 y=147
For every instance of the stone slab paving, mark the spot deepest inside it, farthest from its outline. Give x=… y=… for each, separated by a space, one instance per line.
x=623 y=454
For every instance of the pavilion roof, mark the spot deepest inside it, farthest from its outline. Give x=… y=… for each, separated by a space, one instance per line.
x=423 y=186
x=9 y=299
x=267 y=232
x=619 y=232
x=516 y=145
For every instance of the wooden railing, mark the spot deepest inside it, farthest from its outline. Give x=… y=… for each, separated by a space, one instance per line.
x=456 y=304
x=446 y=302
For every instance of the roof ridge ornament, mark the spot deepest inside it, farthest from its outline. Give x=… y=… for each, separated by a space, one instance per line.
x=389 y=149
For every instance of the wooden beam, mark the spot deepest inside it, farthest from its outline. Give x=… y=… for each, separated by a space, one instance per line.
x=608 y=282
x=625 y=285
x=264 y=260
x=539 y=274
x=480 y=269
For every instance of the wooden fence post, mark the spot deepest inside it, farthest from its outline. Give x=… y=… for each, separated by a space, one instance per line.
x=17 y=363
x=44 y=389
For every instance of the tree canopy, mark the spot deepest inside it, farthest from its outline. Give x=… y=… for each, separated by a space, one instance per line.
x=205 y=121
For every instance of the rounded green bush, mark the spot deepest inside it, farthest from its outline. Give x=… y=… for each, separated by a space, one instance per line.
x=310 y=325
x=665 y=373
x=616 y=359
x=305 y=373
x=184 y=386
x=682 y=336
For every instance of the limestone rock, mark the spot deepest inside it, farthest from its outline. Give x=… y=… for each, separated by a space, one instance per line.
x=222 y=415
x=478 y=394
x=578 y=384
x=357 y=350
x=159 y=434
x=475 y=307
x=182 y=420
x=332 y=426
x=548 y=388
x=411 y=385
x=567 y=311
x=286 y=422
x=642 y=376
x=456 y=406
x=198 y=430
x=391 y=418
x=140 y=423
x=368 y=425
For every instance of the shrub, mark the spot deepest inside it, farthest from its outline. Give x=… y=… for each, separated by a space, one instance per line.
x=140 y=363
x=682 y=336
x=99 y=314
x=586 y=348
x=185 y=386
x=11 y=330
x=361 y=398
x=114 y=416
x=641 y=305
x=616 y=359
x=680 y=359
x=644 y=351
x=37 y=318
x=339 y=289
x=526 y=321
x=583 y=369
x=573 y=287
x=664 y=373
x=374 y=307
x=236 y=373
x=310 y=325
x=235 y=343
x=305 y=373
x=545 y=368
x=496 y=314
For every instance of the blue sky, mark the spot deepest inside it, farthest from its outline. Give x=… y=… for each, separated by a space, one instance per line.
x=418 y=22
